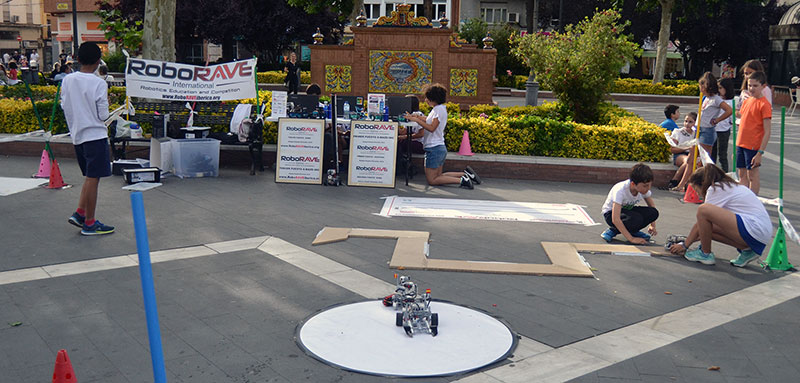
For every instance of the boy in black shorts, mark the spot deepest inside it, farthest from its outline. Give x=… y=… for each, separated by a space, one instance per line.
x=84 y=98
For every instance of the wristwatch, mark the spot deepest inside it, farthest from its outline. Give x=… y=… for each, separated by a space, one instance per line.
x=760 y=151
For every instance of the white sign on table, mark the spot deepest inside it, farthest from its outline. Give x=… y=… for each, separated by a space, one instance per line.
x=279 y=103
x=373 y=153
x=374 y=103
x=299 y=158
x=180 y=82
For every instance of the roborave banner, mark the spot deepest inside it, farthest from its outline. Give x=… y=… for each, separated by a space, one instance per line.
x=180 y=82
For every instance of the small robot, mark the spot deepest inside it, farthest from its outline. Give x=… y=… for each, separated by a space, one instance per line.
x=673 y=239
x=414 y=310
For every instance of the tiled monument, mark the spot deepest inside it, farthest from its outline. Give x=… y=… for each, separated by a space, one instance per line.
x=399 y=55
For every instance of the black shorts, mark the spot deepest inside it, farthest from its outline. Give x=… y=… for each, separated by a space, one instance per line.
x=94 y=158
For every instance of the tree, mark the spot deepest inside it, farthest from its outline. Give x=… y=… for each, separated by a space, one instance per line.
x=266 y=27
x=581 y=64
x=158 y=35
x=663 y=40
x=123 y=32
x=473 y=30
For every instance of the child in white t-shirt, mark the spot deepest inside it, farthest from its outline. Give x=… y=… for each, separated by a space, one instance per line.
x=731 y=214
x=620 y=210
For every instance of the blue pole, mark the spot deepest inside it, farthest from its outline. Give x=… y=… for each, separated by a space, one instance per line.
x=148 y=291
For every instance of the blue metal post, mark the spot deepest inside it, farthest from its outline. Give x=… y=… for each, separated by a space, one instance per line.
x=148 y=290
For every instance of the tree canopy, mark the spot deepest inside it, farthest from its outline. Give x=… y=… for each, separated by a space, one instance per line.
x=265 y=27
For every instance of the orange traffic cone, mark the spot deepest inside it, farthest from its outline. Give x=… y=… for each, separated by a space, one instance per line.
x=63 y=372
x=691 y=196
x=56 y=181
x=465 y=149
x=44 y=166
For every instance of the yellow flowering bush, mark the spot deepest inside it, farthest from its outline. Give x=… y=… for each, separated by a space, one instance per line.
x=17 y=116
x=277 y=77
x=631 y=85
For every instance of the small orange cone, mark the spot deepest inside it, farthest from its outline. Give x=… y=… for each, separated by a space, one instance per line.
x=63 y=372
x=691 y=196
x=56 y=181
x=44 y=166
x=465 y=149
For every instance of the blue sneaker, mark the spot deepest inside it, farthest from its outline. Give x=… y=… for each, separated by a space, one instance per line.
x=698 y=255
x=609 y=234
x=641 y=234
x=76 y=219
x=745 y=257
x=97 y=229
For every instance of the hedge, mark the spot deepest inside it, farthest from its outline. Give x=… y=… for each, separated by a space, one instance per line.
x=622 y=85
x=534 y=131
x=544 y=130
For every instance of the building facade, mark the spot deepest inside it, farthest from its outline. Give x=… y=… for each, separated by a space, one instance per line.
x=61 y=30
x=22 y=27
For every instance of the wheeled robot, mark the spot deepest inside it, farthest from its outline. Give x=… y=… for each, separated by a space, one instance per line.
x=414 y=310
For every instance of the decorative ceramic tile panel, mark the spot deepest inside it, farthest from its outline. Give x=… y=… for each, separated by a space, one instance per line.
x=399 y=71
x=338 y=78
x=464 y=82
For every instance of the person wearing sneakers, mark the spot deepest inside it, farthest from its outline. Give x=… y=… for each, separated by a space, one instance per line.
x=731 y=214
x=620 y=210
x=84 y=98
x=433 y=141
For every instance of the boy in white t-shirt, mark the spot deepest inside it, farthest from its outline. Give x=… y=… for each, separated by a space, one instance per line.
x=622 y=214
x=85 y=103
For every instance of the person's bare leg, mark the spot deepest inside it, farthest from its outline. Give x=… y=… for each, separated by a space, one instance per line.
x=435 y=177
x=711 y=219
x=687 y=172
x=755 y=181
x=88 y=199
x=453 y=174
x=744 y=177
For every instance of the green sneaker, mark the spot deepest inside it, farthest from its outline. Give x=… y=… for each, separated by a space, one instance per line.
x=745 y=257
x=698 y=255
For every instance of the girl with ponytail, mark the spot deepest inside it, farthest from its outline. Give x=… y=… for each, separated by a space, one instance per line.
x=731 y=214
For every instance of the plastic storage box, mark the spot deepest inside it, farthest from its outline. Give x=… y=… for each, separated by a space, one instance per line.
x=196 y=157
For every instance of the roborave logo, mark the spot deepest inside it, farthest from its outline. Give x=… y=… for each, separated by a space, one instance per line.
x=376 y=148
x=374 y=126
x=189 y=73
x=372 y=169
x=299 y=159
x=300 y=129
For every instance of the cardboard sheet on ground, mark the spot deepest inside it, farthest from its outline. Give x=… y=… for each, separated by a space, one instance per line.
x=395 y=206
x=411 y=252
x=9 y=186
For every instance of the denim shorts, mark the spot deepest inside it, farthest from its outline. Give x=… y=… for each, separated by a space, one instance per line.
x=94 y=158
x=434 y=156
x=743 y=157
x=707 y=136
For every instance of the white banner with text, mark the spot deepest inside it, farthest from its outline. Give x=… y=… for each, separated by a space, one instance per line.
x=373 y=153
x=299 y=151
x=181 y=82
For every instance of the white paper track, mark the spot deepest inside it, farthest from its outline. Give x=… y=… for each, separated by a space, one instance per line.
x=487 y=210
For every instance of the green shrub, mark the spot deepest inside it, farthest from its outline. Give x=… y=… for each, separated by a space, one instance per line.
x=115 y=61
x=673 y=87
x=277 y=77
x=17 y=116
x=580 y=64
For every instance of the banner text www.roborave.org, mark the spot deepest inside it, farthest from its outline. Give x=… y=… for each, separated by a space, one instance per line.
x=180 y=82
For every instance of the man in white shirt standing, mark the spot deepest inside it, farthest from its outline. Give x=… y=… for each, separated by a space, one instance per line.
x=6 y=58
x=84 y=98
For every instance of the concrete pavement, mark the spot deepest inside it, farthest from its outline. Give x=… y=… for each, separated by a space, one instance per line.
x=228 y=310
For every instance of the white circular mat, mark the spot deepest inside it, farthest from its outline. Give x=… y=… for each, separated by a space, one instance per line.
x=363 y=337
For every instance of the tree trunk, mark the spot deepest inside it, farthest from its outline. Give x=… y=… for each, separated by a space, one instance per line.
x=357 y=6
x=427 y=6
x=532 y=16
x=663 y=40
x=158 y=35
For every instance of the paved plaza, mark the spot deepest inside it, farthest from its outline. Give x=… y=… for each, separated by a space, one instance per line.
x=235 y=273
